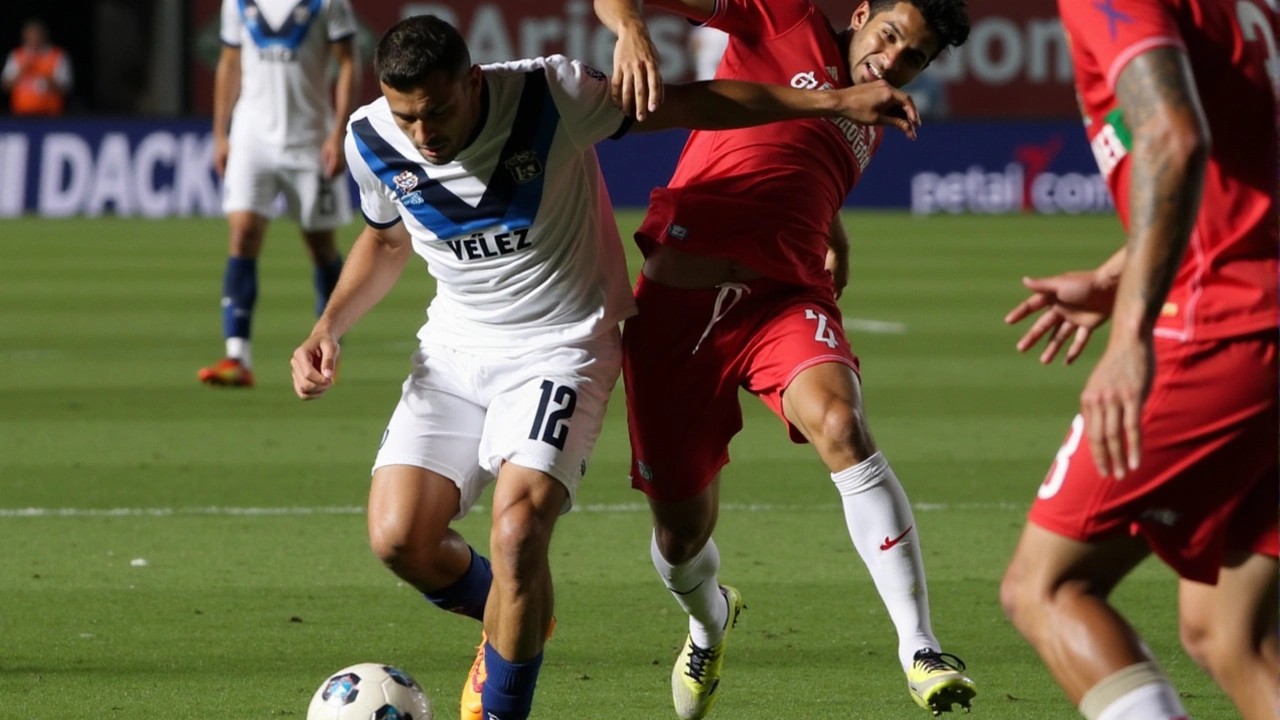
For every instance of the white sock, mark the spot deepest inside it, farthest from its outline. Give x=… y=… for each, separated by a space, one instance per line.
x=695 y=586
x=1157 y=701
x=240 y=349
x=878 y=514
x=1138 y=692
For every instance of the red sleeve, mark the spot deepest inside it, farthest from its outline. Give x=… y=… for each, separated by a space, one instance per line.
x=1113 y=32
x=759 y=19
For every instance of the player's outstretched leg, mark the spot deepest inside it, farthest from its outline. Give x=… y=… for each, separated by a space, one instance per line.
x=1055 y=592
x=239 y=294
x=883 y=530
x=409 y=513
x=1229 y=629
x=682 y=532
x=825 y=403
x=526 y=504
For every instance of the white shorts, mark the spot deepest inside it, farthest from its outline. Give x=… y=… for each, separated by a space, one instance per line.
x=256 y=176
x=462 y=415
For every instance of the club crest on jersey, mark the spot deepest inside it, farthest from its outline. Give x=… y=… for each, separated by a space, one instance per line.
x=251 y=11
x=301 y=14
x=805 y=80
x=524 y=166
x=406 y=181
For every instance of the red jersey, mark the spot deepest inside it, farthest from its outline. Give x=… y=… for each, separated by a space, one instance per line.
x=765 y=196
x=1226 y=285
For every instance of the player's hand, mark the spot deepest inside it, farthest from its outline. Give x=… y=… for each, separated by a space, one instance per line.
x=636 y=85
x=1112 y=405
x=1074 y=304
x=838 y=265
x=332 y=157
x=879 y=103
x=221 y=150
x=314 y=365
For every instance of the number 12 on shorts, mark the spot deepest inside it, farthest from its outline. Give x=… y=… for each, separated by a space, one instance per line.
x=554 y=427
x=824 y=333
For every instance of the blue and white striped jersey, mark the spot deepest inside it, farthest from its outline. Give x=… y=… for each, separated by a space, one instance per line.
x=518 y=230
x=285 y=101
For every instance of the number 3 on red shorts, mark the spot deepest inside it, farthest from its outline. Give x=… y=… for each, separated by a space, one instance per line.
x=1058 y=473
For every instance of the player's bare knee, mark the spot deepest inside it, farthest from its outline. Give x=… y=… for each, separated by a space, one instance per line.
x=1220 y=643
x=518 y=543
x=841 y=435
x=681 y=530
x=399 y=557
x=1009 y=588
x=389 y=540
x=1222 y=661
x=681 y=544
x=1029 y=598
x=1196 y=639
x=1016 y=593
x=393 y=539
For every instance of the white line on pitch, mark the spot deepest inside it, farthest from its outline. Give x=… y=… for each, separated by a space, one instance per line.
x=34 y=512
x=875 y=327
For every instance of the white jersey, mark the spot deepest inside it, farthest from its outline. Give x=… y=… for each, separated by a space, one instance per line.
x=285 y=100
x=518 y=230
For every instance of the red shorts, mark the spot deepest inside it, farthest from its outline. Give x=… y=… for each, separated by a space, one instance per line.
x=688 y=351
x=1210 y=450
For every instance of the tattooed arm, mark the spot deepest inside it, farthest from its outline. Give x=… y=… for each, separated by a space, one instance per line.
x=1158 y=99
x=1160 y=105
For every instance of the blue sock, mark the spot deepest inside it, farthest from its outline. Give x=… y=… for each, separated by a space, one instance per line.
x=508 y=690
x=239 y=292
x=325 y=278
x=469 y=594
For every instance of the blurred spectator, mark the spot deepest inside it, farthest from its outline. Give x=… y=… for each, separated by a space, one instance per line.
x=706 y=46
x=37 y=74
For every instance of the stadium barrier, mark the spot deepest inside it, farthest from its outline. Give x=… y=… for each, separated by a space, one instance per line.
x=150 y=168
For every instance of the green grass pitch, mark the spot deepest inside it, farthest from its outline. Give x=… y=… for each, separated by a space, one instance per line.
x=246 y=505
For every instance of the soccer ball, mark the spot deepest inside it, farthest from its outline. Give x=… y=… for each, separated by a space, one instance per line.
x=370 y=691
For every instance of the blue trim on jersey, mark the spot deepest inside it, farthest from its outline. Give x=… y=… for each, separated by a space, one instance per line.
x=379 y=225
x=289 y=35
x=506 y=203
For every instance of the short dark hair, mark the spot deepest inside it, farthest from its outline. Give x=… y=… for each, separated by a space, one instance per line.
x=417 y=47
x=948 y=19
